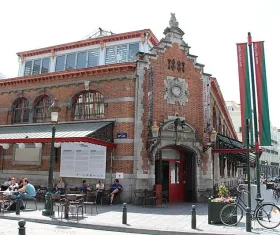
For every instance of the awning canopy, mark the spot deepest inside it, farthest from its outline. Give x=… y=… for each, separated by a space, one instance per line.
x=100 y=133
x=230 y=147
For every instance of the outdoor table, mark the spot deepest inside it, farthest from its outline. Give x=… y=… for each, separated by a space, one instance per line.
x=67 y=203
x=17 y=201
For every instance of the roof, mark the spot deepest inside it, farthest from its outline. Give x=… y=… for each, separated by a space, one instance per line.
x=66 y=132
x=91 y=41
x=215 y=88
x=72 y=74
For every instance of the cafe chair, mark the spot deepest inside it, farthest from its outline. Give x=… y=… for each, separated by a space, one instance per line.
x=91 y=200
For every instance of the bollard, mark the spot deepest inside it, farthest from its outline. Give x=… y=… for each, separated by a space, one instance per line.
x=248 y=220
x=18 y=207
x=21 y=229
x=124 y=216
x=209 y=210
x=193 y=217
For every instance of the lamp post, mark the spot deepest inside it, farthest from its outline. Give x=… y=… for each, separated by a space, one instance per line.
x=266 y=169
x=54 y=111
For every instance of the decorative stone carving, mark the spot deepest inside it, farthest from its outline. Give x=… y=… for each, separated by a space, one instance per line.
x=173 y=21
x=176 y=91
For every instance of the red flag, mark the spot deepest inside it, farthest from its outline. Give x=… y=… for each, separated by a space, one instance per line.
x=244 y=86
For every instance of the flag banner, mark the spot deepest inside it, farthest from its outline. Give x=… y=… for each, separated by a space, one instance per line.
x=244 y=87
x=261 y=84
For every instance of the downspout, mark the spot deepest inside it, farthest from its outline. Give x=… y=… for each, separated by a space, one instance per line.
x=112 y=156
x=2 y=159
x=135 y=160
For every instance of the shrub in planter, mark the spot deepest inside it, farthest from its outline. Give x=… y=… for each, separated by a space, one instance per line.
x=216 y=204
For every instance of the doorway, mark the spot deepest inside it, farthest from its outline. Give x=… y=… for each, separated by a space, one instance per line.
x=177 y=176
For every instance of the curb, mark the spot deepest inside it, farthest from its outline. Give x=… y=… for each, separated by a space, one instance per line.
x=115 y=228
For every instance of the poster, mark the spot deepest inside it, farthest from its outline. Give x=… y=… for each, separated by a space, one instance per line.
x=83 y=160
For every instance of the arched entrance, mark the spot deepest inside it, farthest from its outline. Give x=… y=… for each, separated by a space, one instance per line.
x=177 y=159
x=178 y=173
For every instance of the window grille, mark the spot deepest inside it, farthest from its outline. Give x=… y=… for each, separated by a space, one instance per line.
x=88 y=105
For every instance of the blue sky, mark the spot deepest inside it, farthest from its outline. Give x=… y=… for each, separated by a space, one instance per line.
x=212 y=29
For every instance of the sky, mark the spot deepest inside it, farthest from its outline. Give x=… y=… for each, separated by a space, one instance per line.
x=212 y=29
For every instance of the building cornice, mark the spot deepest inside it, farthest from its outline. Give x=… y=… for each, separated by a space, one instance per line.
x=75 y=73
x=218 y=94
x=88 y=42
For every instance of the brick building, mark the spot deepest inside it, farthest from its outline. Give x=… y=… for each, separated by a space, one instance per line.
x=149 y=103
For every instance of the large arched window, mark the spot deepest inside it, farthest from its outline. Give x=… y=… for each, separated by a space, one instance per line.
x=88 y=105
x=41 y=105
x=20 y=111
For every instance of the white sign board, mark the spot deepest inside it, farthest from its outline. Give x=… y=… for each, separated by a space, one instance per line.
x=83 y=160
x=119 y=175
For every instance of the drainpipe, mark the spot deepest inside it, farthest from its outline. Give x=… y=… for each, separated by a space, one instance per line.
x=2 y=159
x=112 y=165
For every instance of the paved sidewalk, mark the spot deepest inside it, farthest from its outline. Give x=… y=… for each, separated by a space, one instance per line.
x=174 y=219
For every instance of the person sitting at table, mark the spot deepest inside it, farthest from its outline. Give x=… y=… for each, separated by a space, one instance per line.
x=116 y=188
x=13 y=187
x=26 y=192
x=20 y=184
x=85 y=187
x=99 y=188
x=6 y=184
x=60 y=186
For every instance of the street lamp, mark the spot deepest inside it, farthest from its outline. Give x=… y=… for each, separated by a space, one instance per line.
x=54 y=111
x=266 y=170
x=212 y=140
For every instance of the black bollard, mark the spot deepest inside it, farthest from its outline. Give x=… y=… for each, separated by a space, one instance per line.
x=124 y=215
x=193 y=217
x=248 y=220
x=21 y=229
x=18 y=207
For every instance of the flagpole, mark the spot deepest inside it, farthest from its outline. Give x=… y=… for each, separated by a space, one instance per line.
x=255 y=114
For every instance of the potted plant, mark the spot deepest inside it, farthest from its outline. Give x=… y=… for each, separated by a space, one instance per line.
x=216 y=204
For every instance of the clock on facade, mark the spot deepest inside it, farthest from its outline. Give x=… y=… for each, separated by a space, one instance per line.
x=176 y=90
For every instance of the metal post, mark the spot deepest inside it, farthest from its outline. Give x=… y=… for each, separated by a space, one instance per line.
x=21 y=229
x=48 y=210
x=248 y=209
x=248 y=220
x=18 y=206
x=124 y=215
x=255 y=115
x=193 y=217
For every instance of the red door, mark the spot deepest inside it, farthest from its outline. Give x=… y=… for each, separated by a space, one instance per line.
x=176 y=185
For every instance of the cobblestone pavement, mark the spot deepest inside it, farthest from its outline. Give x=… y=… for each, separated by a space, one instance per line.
x=10 y=227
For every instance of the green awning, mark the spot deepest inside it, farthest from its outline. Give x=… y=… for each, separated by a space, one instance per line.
x=225 y=142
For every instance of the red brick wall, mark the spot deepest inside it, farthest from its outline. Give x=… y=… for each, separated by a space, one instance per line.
x=111 y=89
x=192 y=111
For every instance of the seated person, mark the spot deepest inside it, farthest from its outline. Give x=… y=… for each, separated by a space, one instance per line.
x=85 y=187
x=60 y=186
x=99 y=188
x=116 y=188
x=26 y=192
x=13 y=187
x=6 y=184
x=20 y=184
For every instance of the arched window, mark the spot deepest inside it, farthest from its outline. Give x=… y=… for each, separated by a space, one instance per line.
x=20 y=111
x=41 y=105
x=88 y=105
